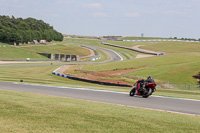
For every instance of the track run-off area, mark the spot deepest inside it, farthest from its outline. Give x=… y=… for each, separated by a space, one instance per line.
x=174 y=105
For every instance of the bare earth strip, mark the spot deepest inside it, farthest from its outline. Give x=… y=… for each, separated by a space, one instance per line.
x=144 y=55
x=91 y=53
x=62 y=69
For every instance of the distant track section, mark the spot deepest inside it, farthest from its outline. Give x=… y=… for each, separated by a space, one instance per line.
x=114 y=57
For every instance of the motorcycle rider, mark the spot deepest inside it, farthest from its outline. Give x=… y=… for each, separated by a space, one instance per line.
x=144 y=82
x=150 y=80
x=142 y=85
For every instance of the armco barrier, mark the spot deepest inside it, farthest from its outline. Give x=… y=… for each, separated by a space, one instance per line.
x=158 y=40
x=90 y=81
x=137 y=50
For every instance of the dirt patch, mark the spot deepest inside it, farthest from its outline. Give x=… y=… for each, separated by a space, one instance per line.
x=143 y=56
x=100 y=76
x=62 y=69
x=137 y=46
x=144 y=50
x=91 y=53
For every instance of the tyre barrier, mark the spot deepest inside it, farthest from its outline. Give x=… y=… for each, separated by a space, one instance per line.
x=93 y=59
x=90 y=81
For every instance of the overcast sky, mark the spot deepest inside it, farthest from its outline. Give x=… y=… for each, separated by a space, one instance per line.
x=153 y=18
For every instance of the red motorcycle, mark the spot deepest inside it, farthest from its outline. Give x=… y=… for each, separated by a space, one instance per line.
x=143 y=89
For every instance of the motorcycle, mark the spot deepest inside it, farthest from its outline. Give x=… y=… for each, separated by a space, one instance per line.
x=142 y=89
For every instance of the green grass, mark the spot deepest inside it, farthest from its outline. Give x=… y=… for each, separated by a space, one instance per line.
x=141 y=38
x=174 y=47
x=179 y=65
x=13 y=53
x=31 y=51
x=25 y=112
x=69 y=49
x=178 y=93
x=42 y=75
x=169 y=47
x=176 y=67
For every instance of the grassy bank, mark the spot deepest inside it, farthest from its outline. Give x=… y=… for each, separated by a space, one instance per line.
x=141 y=38
x=180 y=64
x=25 y=112
x=59 y=48
x=9 y=52
x=14 y=53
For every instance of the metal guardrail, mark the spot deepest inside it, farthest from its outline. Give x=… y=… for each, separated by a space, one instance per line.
x=133 y=49
x=158 y=40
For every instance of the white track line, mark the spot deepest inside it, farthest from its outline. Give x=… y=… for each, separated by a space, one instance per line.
x=76 y=88
x=119 y=93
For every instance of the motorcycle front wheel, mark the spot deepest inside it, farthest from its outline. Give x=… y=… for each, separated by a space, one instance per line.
x=132 y=92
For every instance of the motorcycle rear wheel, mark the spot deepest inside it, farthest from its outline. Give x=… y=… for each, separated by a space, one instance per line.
x=148 y=93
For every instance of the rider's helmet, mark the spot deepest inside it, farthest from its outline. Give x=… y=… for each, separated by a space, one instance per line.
x=149 y=77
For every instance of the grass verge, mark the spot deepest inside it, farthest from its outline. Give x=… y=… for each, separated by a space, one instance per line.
x=25 y=112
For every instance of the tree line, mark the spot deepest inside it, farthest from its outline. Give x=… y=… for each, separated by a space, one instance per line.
x=20 y=30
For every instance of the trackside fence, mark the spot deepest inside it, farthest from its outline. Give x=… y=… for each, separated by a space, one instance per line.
x=179 y=86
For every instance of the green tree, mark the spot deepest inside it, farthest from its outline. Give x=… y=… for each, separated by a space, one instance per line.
x=16 y=37
x=24 y=30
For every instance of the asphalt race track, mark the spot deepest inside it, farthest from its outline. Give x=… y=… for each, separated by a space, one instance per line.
x=114 y=57
x=176 y=105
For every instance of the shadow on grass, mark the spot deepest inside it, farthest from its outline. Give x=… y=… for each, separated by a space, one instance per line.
x=197 y=77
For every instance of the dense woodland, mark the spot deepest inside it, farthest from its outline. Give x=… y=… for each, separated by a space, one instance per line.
x=20 y=30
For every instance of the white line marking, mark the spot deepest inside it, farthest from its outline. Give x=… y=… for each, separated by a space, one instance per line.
x=76 y=88
x=140 y=107
x=119 y=56
x=119 y=93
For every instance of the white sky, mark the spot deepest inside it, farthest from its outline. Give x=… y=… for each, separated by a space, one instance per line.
x=153 y=18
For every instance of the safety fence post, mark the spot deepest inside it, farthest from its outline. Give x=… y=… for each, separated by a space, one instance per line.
x=186 y=86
